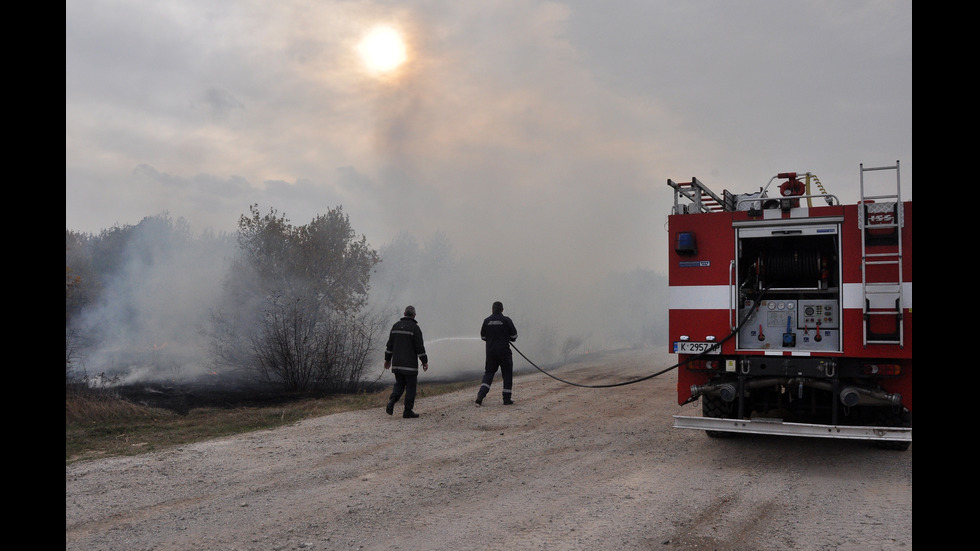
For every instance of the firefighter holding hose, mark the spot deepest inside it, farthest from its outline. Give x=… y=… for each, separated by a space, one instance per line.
x=498 y=332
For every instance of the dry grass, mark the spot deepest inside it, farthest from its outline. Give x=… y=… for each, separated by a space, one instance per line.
x=101 y=424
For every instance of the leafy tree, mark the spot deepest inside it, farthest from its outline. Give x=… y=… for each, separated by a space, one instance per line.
x=295 y=297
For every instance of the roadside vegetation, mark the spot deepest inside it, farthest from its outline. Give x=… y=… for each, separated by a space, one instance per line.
x=300 y=309
x=99 y=423
x=280 y=305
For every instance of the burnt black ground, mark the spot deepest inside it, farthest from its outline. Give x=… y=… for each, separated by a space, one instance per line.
x=181 y=398
x=214 y=393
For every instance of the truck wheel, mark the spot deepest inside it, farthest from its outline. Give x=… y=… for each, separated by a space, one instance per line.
x=715 y=407
x=892 y=417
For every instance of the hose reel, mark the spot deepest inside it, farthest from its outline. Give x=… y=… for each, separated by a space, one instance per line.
x=785 y=268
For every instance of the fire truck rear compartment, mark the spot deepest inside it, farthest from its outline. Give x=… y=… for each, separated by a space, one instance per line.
x=789 y=295
x=788 y=281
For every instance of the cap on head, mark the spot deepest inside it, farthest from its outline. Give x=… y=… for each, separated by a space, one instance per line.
x=410 y=311
x=498 y=307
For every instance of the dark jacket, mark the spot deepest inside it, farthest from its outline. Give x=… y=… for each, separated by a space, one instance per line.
x=498 y=331
x=405 y=348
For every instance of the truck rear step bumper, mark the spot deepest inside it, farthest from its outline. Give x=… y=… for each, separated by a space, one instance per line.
x=780 y=428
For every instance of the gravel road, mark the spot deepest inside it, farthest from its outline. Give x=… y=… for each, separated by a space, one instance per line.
x=566 y=468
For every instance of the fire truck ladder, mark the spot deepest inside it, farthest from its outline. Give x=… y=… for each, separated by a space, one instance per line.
x=881 y=220
x=701 y=198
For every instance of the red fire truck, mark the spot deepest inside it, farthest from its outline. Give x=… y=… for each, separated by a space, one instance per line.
x=790 y=313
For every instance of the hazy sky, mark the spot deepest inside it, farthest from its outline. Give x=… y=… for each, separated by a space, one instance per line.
x=540 y=134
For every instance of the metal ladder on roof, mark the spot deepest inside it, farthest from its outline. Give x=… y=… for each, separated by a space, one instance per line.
x=880 y=219
x=701 y=198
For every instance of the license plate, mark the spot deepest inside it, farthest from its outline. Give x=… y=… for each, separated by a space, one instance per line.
x=690 y=347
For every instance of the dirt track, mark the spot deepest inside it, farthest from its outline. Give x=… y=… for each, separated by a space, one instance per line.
x=566 y=468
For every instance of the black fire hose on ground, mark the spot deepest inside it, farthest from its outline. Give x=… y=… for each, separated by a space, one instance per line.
x=711 y=348
x=610 y=385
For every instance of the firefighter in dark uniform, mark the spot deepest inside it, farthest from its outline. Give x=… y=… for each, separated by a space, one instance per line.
x=498 y=332
x=404 y=351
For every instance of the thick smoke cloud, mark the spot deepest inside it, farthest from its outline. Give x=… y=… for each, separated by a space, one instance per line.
x=152 y=319
x=533 y=140
x=154 y=304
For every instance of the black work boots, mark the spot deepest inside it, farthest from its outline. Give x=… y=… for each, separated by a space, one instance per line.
x=479 y=401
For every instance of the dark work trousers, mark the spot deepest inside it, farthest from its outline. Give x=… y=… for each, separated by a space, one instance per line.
x=505 y=361
x=405 y=381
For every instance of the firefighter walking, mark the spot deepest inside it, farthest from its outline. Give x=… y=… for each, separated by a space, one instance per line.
x=498 y=332
x=404 y=351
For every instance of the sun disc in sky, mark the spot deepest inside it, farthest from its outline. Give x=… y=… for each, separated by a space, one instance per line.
x=382 y=49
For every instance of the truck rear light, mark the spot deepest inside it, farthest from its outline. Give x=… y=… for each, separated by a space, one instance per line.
x=882 y=369
x=704 y=364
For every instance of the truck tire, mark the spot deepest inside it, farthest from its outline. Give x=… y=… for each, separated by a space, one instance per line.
x=715 y=407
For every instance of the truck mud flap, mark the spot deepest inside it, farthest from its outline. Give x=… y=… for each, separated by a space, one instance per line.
x=780 y=428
